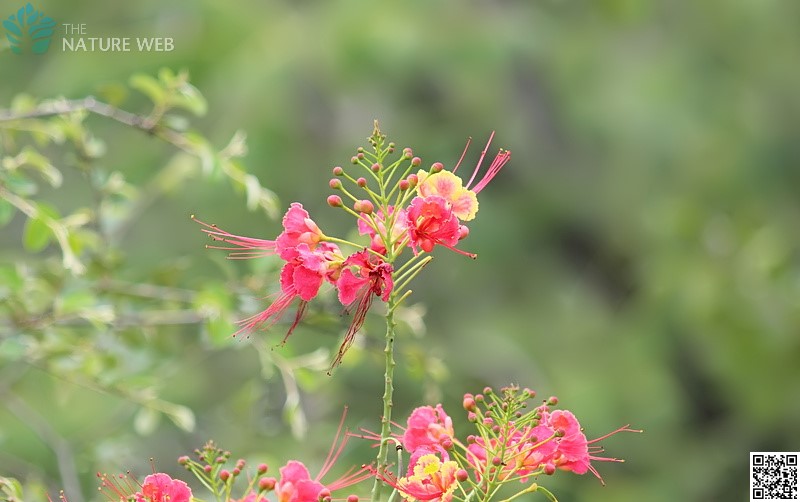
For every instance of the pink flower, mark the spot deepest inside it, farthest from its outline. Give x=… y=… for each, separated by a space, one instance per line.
x=431 y=479
x=573 y=451
x=160 y=487
x=298 y=228
x=375 y=227
x=363 y=276
x=296 y=484
x=428 y=427
x=302 y=276
x=430 y=222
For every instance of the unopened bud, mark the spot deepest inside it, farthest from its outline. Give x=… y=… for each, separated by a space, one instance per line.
x=267 y=484
x=403 y=185
x=552 y=401
x=335 y=184
x=463 y=232
x=207 y=469
x=334 y=201
x=437 y=167
x=408 y=153
x=549 y=469
x=416 y=161
x=224 y=475
x=472 y=417
x=375 y=167
x=236 y=471
x=413 y=179
x=364 y=206
x=496 y=461
x=183 y=460
x=262 y=468
x=220 y=460
x=360 y=155
x=338 y=171
x=352 y=498
x=462 y=475
x=354 y=159
x=469 y=403
x=447 y=444
x=362 y=182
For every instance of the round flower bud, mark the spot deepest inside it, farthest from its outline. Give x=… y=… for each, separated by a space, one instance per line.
x=236 y=471
x=479 y=398
x=469 y=403
x=267 y=484
x=496 y=461
x=360 y=155
x=375 y=167
x=224 y=475
x=463 y=232
x=335 y=184
x=352 y=498
x=183 y=460
x=262 y=468
x=462 y=475
x=552 y=401
x=220 y=460
x=472 y=417
x=413 y=179
x=325 y=494
x=403 y=185
x=207 y=469
x=549 y=469
x=437 y=167
x=487 y=390
x=488 y=421
x=416 y=161
x=362 y=182
x=360 y=149
x=471 y=439
x=408 y=153
x=447 y=444
x=364 y=206
x=334 y=201
x=354 y=159
x=338 y=171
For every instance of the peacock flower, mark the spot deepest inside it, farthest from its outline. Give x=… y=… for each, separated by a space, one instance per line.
x=431 y=479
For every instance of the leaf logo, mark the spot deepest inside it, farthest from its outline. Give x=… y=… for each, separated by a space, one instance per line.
x=29 y=30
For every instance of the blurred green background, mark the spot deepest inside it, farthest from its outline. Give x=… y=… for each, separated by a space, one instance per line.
x=639 y=257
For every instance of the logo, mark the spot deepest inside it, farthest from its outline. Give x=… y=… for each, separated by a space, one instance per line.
x=29 y=30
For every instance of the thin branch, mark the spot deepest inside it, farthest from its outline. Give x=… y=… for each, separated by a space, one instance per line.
x=60 y=446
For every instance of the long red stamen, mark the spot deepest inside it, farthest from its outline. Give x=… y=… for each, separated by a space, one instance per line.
x=464 y=153
x=268 y=317
x=244 y=247
x=480 y=161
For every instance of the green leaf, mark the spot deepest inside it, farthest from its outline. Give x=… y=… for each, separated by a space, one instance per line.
x=6 y=212
x=36 y=235
x=150 y=87
x=74 y=301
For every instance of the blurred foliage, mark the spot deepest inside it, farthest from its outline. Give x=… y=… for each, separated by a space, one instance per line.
x=639 y=257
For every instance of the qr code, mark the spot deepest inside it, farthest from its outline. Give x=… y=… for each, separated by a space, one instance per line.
x=773 y=476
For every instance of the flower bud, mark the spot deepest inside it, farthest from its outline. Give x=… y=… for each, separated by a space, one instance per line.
x=472 y=417
x=334 y=201
x=362 y=182
x=360 y=155
x=462 y=475
x=224 y=475
x=262 y=468
x=354 y=159
x=403 y=185
x=335 y=184
x=469 y=403
x=463 y=232
x=375 y=167
x=183 y=460
x=338 y=171
x=236 y=471
x=220 y=460
x=416 y=161
x=496 y=461
x=360 y=149
x=488 y=421
x=207 y=469
x=408 y=153
x=496 y=429
x=552 y=401
x=364 y=206
x=437 y=167
x=324 y=495
x=549 y=469
x=487 y=390
x=352 y=498
x=447 y=444
x=479 y=398
x=413 y=179
x=267 y=484
x=471 y=439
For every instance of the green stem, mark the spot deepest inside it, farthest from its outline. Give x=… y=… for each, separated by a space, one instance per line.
x=388 y=390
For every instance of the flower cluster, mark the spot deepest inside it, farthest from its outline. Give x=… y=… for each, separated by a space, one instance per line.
x=512 y=444
x=393 y=207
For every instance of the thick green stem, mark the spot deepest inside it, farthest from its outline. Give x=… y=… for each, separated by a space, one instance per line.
x=388 y=389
